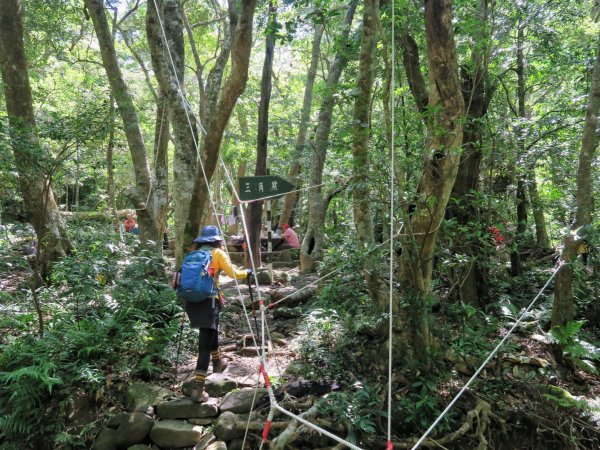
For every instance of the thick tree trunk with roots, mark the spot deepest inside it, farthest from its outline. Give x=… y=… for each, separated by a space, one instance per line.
x=143 y=194
x=439 y=172
x=35 y=185
x=215 y=126
x=312 y=244
x=563 y=306
x=168 y=58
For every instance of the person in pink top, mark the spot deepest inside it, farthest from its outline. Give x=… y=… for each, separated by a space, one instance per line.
x=290 y=236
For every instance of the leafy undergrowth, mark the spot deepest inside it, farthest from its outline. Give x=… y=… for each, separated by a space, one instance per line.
x=540 y=391
x=110 y=318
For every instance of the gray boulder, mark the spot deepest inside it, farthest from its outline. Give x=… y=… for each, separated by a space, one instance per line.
x=203 y=422
x=141 y=395
x=227 y=427
x=175 y=434
x=106 y=440
x=219 y=384
x=131 y=428
x=263 y=276
x=240 y=402
x=219 y=445
x=186 y=409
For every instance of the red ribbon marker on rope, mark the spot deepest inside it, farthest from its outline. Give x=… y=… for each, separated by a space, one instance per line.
x=390 y=446
x=265 y=433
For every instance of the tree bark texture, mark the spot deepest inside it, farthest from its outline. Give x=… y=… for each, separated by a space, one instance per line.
x=161 y=163
x=300 y=147
x=110 y=175
x=472 y=276
x=412 y=67
x=439 y=172
x=233 y=88
x=521 y=199
x=361 y=194
x=563 y=307
x=541 y=233
x=143 y=194
x=312 y=244
x=35 y=185
x=255 y=209
x=361 y=166
x=168 y=58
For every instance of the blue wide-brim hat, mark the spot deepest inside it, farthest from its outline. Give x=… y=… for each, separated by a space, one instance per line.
x=210 y=233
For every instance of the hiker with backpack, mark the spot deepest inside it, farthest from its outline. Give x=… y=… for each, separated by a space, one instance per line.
x=197 y=285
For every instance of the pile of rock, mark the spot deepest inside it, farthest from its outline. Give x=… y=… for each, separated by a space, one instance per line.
x=159 y=418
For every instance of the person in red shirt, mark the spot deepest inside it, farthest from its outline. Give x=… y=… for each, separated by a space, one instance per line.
x=497 y=236
x=129 y=223
x=290 y=236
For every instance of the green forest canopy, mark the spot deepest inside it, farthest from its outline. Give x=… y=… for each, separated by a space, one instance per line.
x=494 y=130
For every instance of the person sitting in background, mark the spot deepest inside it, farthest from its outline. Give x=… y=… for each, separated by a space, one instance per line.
x=290 y=236
x=129 y=223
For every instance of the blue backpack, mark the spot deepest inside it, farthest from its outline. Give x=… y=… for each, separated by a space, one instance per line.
x=196 y=284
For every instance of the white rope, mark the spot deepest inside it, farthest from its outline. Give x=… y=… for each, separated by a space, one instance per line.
x=316 y=427
x=462 y=391
x=392 y=187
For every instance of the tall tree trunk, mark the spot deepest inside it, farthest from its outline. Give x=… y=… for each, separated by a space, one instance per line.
x=412 y=67
x=255 y=209
x=439 y=172
x=110 y=175
x=35 y=186
x=312 y=244
x=563 y=306
x=161 y=163
x=168 y=58
x=541 y=233
x=299 y=149
x=235 y=207
x=400 y=174
x=361 y=193
x=143 y=194
x=215 y=126
x=521 y=199
x=473 y=276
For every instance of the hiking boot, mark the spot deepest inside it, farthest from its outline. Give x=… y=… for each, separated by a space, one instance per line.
x=219 y=365
x=199 y=395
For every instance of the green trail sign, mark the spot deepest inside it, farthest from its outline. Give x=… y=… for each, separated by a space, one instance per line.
x=255 y=188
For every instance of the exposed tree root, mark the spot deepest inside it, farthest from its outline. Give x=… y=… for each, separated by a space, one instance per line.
x=477 y=421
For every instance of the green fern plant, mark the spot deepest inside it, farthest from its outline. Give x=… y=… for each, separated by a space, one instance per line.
x=580 y=351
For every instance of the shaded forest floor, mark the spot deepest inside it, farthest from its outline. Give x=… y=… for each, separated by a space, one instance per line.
x=327 y=351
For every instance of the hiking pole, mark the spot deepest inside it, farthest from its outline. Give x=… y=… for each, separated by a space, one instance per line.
x=252 y=303
x=181 y=327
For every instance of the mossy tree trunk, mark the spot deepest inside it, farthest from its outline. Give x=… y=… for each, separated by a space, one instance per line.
x=439 y=173
x=35 y=184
